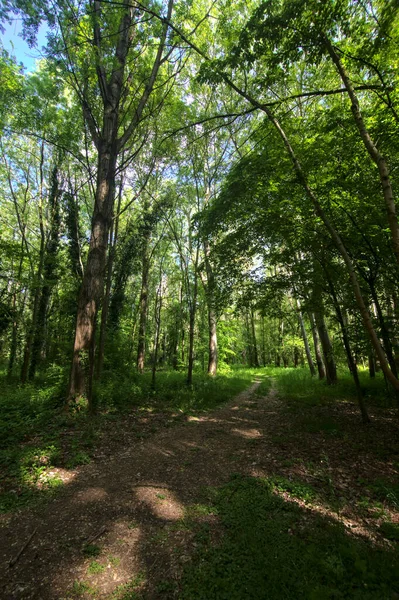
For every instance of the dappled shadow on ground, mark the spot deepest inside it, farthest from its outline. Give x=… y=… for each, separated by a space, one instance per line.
x=128 y=525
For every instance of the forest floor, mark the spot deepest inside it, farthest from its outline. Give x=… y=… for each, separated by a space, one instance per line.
x=265 y=497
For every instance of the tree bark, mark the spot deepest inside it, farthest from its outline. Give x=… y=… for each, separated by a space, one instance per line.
x=93 y=278
x=305 y=341
x=331 y=369
x=143 y=306
x=383 y=329
x=263 y=341
x=193 y=308
x=106 y=300
x=319 y=360
x=254 y=342
x=158 y=308
x=371 y=361
x=212 y=318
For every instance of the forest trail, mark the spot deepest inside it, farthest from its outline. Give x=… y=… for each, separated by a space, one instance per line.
x=118 y=529
x=130 y=499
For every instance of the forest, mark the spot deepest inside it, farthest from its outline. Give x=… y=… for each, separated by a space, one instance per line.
x=199 y=302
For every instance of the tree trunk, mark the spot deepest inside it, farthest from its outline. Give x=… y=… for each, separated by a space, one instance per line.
x=15 y=316
x=14 y=338
x=143 y=307
x=111 y=87
x=371 y=365
x=212 y=319
x=331 y=370
x=254 y=343
x=306 y=342
x=213 y=343
x=384 y=331
x=106 y=300
x=351 y=361
x=158 y=308
x=193 y=309
x=36 y=301
x=49 y=268
x=263 y=342
x=319 y=360
x=93 y=279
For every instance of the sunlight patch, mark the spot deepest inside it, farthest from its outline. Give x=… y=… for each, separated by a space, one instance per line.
x=161 y=502
x=249 y=434
x=54 y=474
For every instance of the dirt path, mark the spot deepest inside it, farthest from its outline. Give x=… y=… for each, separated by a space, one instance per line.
x=131 y=496
x=134 y=501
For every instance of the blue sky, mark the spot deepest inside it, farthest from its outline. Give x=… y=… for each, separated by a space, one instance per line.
x=13 y=42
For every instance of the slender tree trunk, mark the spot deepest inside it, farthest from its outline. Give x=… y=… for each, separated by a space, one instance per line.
x=351 y=361
x=305 y=342
x=319 y=360
x=35 y=309
x=371 y=148
x=14 y=338
x=254 y=342
x=193 y=309
x=296 y=356
x=15 y=316
x=371 y=361
x=263 y=341
x=331 y=370
x=143 y=307
x=384 y=331
x=158 y=308
x=183 y=344
x=249 y=344
x=280 y=329
x=212 y=319
x=213 y=343
x=49 y=268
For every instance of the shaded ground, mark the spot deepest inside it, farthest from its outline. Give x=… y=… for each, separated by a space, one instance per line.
x=121 y=527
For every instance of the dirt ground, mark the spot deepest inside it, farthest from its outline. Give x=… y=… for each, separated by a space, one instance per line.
x=130 y=501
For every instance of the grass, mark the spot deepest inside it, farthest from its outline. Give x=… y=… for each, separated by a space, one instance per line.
x=129 y=591
x=171 y=391
x=95 y=567
x=274 y=549
x=298 y=387
x=265 y=385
